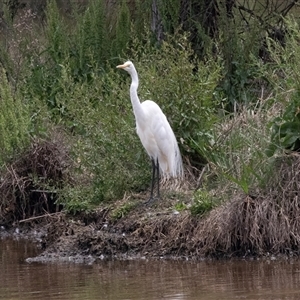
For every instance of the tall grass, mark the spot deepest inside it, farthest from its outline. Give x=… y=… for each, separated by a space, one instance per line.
x=238 y=155
x=14 y=121
x=246 y=144
x=286 y=83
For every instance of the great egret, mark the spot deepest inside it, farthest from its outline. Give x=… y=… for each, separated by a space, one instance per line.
x=155 y=133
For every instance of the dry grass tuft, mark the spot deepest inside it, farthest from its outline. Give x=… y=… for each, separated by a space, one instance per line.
x=29 y=185
x=257 y=224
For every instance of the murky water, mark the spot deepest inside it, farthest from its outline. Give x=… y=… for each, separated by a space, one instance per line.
x=143 y=279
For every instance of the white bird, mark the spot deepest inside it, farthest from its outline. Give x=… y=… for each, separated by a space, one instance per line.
x=155 y=133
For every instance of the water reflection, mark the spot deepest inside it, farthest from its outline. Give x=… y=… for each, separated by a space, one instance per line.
x=143 y=279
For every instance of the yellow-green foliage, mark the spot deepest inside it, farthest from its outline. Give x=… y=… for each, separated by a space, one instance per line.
x=108 y=155
x=90 y=40
x=203 y=202
x=123 y=210
x=122 y=30
x=14 y=120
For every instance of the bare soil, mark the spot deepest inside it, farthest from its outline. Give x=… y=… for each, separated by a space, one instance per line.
x=145 y=232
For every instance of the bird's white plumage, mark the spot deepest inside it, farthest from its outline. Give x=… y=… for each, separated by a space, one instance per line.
x=154 y=130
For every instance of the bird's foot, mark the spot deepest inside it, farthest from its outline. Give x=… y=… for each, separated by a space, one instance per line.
x=151 y=200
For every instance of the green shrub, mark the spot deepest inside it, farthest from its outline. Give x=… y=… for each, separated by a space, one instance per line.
x=14 y=121
x=109 y=157
x=89 y=41
x=123 y=25
x=285 y=127
x=237 y=157
x=241 y=79
x=80 y=45
x=122 y=211
x=203 y=202
x=76 y=199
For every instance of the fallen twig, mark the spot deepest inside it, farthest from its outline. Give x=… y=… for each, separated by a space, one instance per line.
x=38 y=217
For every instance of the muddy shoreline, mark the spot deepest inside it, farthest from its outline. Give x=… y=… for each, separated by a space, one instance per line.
x=144 y=233
x=262 y=225
x=155 y=232
x=86 y=244
x=77 y=242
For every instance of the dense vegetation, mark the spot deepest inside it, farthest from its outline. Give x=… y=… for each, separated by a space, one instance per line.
x=230 y=90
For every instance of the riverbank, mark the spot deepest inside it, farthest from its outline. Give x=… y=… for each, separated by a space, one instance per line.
x=147 y=231
x=265 y=224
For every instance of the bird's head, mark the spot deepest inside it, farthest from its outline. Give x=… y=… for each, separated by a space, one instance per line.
x=127 y=66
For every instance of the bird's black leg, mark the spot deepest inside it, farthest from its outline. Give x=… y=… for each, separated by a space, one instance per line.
x=155 y=169
x=153 y=178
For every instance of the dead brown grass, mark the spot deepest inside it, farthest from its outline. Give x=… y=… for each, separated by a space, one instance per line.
x=29 y=184
x=266 y=222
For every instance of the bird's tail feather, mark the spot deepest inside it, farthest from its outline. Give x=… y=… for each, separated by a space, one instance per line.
x=172 y=166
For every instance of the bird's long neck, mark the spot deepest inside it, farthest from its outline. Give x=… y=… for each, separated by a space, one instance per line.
x=135 y=101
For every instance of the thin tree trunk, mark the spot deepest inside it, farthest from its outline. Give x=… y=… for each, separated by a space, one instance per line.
x=156 y=21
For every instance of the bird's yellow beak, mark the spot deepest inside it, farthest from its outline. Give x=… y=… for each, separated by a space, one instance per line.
x=122 y=66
